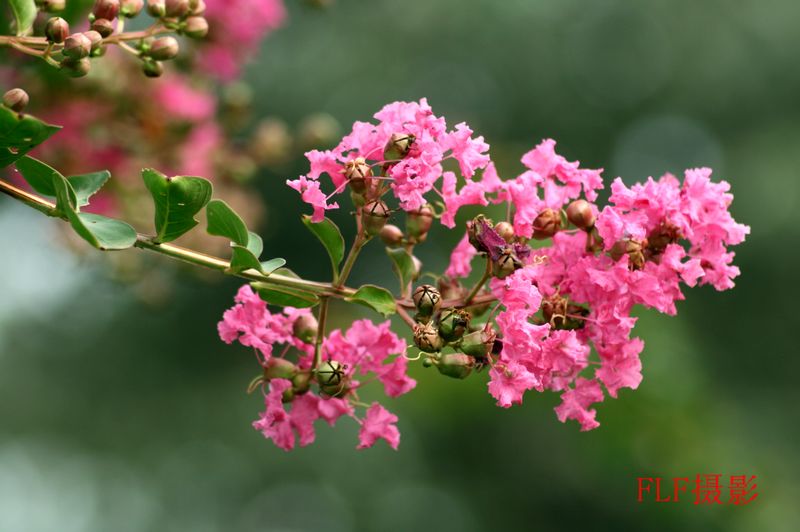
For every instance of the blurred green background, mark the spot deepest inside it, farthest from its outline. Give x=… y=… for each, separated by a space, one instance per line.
x=118 y=415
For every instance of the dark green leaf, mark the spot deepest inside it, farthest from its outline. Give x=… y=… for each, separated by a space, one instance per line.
x=403 y=266
x=223 y=221
x=85 y=185
x=246 y=257
x=331 y=237
x=19 y=134
x=46 y=180
x=178 y=199
x=285 y=297
x=25 y=14
x=376 y=298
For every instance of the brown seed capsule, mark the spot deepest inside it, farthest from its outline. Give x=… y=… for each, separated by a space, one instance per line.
x=426 y=338
x=546 y=224
x=634 y=249
x=391 y=235
x=196 y=27
x=163 y=49
x=77 y=46
x=103 y=26
x=398 y=146
x=130 y=8
x=505 y=230
x=156 y=8
x=16 y=100
x=107 y=9
x=427 y=300
x=554 y=310
x=373 y=217
x=358 y=174
x=76 y=67
x=418 y=223
x=580 y=214
x=177 y=8
x=57 y=30
x=152 y=69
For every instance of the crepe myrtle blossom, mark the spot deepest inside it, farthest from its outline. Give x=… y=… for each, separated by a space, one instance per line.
x=552 y=309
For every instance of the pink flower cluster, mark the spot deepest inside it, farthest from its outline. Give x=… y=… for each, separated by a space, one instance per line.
x=578 y=293
x=236 y=28
x=413 y=175
x=364 y=349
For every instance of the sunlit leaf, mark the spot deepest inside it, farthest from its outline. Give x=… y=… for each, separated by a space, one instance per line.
x=177 y=199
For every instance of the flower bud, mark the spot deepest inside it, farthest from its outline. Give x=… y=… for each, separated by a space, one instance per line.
x=453 y=324
x=426 y=338
x=16 y=100
x=51 y=6
x=373 y=217
x=580 y=214
x=506 y=263
x=77 y=46
x=330 y=373
x=505 y=230
x=94 y=38
x=358 y=174
x=130 y=8
x=177 y=8
x=478 y=344
x=279 y=368
x=107 y=9
x=288 y=395
x=455 y=365
x=305 y=328
x=76 y=67
x=103 y=26
x=398 y=146
x=427 y=300
x=152 y=69
x=391 y=235
x=156 y=8
x=417 y=267
x=546 y=224
x=634 y=249
x=418 y=223
x=301 y=382
x=197 y=7
x=57 y=30
x=163 y=48
x=195 y=27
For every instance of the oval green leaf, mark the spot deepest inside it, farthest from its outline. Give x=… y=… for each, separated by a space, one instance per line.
x=223 y=221
x=285 y=297
x=86 y=185
x=19 y=134
x=331 y=238
x=403 y=266
x=177 y=199
x=375 y=297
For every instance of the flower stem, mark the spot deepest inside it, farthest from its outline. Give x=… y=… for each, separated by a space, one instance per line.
x=321 y=319
x=475 y=289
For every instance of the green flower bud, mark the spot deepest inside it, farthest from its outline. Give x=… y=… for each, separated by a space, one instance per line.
x=77 y=46
x=478 y=344
x=373 y=217
x=546 y=224
x=288 y=395
x=305 y=328
x=152 y=69
x=453 y=324
x=455 y=365
x=76 y=67
x=107 y=9
x=427 y=300
x=391 y=235
x=426 y=338
x=505 y=230
x=398 y=146
x=580 y=214
x=195 y=27
x=418 y=223
x=16 y=100
x=177 y=8
x=279 y=368
x=57 y=30
x=301 y=382
x=130 y=8
x=330 y=373
x=156 y=8
x=163 y=48
x=358 y=174
x=104 y=27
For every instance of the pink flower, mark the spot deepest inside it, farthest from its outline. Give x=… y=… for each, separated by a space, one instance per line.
x=395 y=379
x=364 y=347
x=461 y=259
x=575 y=403
x=378 y=423
x=274 y=422
x=510 y=382
x=183 y=101
x=311 y=194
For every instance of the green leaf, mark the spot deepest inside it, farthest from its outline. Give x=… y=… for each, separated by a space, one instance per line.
x=46 y=180
x=331 y=238
x=285 y=297
x=268 y=267
x=25 y=13
x=178 y=199
x=19 y=134
x=85 y=185
x=223 y=221
x=375 y=297
x=403 y=266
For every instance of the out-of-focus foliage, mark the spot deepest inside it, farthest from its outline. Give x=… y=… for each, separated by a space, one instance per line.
x=118 y=416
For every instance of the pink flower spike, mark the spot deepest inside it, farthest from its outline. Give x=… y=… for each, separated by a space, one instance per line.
x=378 y=423
x=575 y=403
